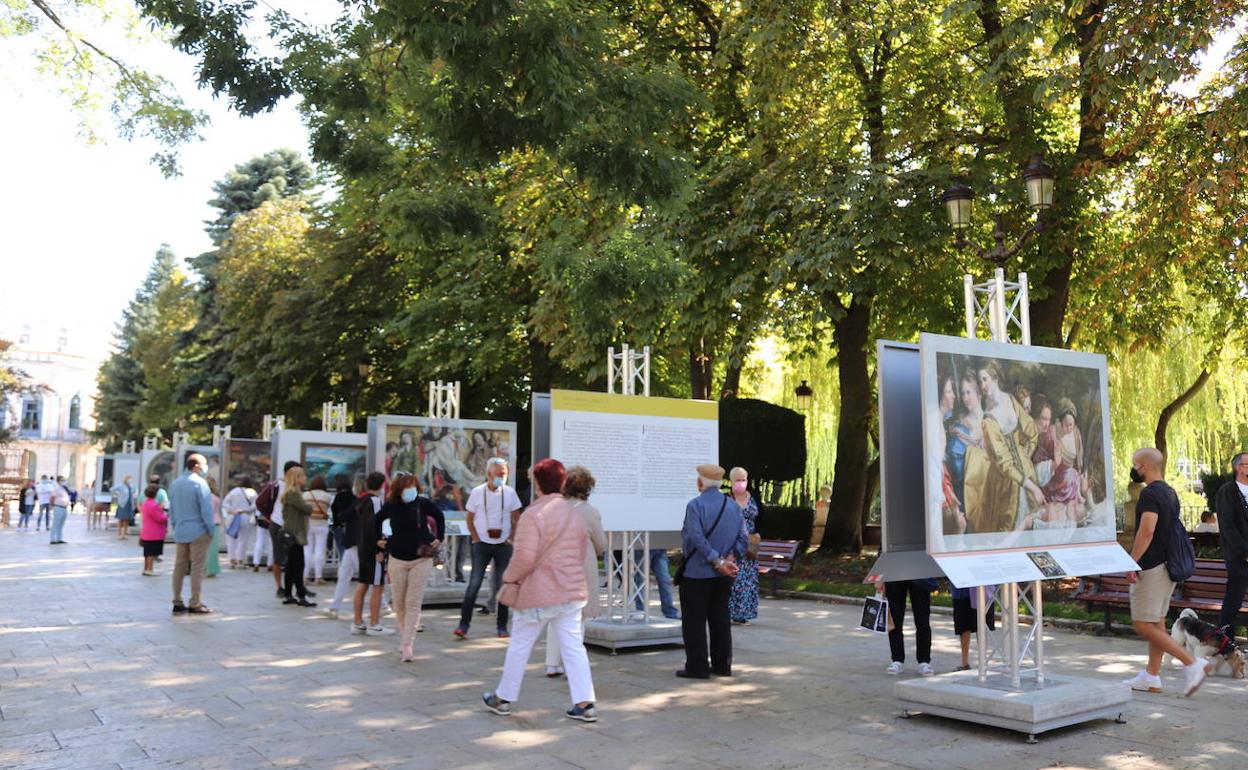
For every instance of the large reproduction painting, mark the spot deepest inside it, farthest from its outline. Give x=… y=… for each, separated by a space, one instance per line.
x=1016 y=446
x=248 y=458
x=329 y=460
x=448 y=456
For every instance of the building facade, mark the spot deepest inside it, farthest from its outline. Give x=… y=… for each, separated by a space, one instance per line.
x=54 y=417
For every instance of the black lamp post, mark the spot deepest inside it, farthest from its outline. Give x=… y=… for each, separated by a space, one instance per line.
x=958 y=199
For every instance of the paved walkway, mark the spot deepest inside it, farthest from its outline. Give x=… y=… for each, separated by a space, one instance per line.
x=94 y=673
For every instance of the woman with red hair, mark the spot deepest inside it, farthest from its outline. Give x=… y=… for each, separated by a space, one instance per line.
x=545 y=585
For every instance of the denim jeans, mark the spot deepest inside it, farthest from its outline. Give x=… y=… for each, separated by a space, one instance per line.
x=58 y=523
x=483 y=554
x=662 y=575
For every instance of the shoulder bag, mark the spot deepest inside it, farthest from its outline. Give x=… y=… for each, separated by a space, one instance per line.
x=680 y=571
x=510 y=592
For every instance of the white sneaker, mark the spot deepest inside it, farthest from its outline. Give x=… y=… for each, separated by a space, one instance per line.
x=359 y=630
x=926 y=669
x=1195 y=676
x=379 y=630
x=330 y=612
x=894 y=668
x=1144 y=682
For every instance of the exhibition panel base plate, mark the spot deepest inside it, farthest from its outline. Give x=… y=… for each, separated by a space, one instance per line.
x=1032 y=709
x=618 y=636
x=447 y=594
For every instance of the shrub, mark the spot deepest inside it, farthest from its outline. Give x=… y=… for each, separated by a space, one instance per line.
x=787 y=522
x=769 y=441
x=1210 y=483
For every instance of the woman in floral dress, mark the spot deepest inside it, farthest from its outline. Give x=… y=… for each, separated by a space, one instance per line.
x=743 y=602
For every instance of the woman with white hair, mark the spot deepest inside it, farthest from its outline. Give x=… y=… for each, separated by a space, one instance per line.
x=743 y=602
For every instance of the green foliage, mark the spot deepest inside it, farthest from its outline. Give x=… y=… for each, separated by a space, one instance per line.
x=12 y=381
x=68 y=48
x=128 y=404
x=1210 y=484
x=769 y=441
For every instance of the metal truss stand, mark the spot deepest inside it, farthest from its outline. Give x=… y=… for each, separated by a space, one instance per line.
x=334 y=417
x=1005 y=691
x=444 y=398
x=272 y=422
x=623 y=624
x=220 y=435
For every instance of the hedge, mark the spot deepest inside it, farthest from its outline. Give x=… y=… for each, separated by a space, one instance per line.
x=787 y=522
x=769 y=441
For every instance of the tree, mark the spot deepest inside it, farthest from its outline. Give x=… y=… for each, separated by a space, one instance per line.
x=203 y=355
x=122 y=378
x=12 y=382
x=96 y=79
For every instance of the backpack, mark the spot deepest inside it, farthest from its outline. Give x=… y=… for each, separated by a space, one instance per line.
x=1180 y=556
x=265 y=502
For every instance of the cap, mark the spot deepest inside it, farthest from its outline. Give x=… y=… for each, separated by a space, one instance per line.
x=710 y=471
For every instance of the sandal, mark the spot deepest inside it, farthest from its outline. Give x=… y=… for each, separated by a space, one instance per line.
x=200 y=610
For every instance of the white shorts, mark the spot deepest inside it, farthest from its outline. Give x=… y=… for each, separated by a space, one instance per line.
x=1150 y=595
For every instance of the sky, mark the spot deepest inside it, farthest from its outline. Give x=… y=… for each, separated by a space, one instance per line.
x=81 y=222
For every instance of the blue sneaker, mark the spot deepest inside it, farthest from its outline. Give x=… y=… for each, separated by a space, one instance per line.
x=496 y=704
x=583 y=713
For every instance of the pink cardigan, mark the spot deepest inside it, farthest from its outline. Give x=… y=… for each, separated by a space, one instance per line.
x=560 y=576
x=154 y=521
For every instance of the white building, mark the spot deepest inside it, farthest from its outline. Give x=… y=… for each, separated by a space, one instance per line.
x=54 y=418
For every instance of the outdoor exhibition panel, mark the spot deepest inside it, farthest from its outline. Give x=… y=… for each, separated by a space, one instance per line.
x=321 y=452
x=159 y=463
x=247 y=458
x=441 y=453
x=104 y=465
x=211 y=453
x=1016 y=462
x=642 y=451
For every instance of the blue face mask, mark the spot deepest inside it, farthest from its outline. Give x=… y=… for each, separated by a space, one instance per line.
x=498 y=481
x=409 y=495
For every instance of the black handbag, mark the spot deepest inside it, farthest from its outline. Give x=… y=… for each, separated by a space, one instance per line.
x=680 y=571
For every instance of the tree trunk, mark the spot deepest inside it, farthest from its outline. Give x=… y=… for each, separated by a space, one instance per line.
x=699 y=372
x=1163 y=420
x=844 y=528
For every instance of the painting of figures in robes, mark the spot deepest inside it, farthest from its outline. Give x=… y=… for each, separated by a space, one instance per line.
x=1016 y=446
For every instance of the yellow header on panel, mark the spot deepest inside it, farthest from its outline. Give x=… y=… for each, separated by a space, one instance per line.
x=652 y=406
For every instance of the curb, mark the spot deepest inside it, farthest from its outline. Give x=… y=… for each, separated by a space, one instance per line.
x=1093 y=627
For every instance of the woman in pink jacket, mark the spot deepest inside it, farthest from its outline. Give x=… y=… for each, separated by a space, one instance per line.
x=152 y=531
x=545 y=584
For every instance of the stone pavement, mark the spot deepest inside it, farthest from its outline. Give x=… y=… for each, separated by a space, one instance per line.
x=94 y=673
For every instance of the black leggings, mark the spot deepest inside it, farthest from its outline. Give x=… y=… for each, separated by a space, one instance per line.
x=921 y=602
x=294 y=572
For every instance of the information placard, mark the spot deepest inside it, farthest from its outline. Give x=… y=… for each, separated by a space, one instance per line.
x=643 y=452
x=968 y=570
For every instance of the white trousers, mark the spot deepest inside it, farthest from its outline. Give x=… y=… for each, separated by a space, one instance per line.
x=263 y=548
x=553 y=658
x=238 y=546
x=526 y=626
x=314 y=551
x=348 y=568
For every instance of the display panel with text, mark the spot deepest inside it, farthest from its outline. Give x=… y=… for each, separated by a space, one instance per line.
x=643 y=452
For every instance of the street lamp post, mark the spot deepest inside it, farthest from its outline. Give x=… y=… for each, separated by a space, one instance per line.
x=958 y=200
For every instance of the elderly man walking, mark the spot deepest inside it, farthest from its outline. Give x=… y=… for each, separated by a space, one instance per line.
x=190 y=512
x=1232 y=505
x=713 y=538
x=1156 y=517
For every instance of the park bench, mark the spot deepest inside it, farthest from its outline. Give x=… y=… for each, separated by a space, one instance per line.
x=776 y=558
x=1202 y=592
x=1207 y=540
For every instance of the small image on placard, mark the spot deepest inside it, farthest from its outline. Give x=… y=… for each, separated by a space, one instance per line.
x=875 y=615
x=1047 y=565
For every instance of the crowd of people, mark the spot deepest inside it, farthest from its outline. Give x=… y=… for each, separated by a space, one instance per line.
x=388 y=535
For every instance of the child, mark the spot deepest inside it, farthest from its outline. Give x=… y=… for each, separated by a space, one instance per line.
x=152 y=532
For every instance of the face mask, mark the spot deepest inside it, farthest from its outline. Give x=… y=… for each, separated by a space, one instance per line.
x=738 y=487
x=409 y=495
x=498 y=481
x=1136 y=478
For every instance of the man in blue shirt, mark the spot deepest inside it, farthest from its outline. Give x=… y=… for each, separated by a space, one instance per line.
x=190 y=513
x=713 y=538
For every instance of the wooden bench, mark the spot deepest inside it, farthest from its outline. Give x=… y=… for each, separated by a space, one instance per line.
x=776 y=558
x=1202 y=592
